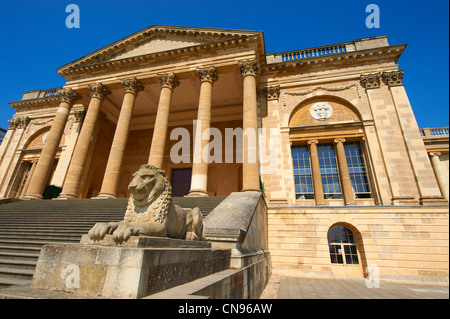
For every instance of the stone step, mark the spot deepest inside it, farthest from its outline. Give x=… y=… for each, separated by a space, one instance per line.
x=18 y=264
x=57 y=238
x=24 y=256
x=6 y=282
x=24 y=274
x=35 y=242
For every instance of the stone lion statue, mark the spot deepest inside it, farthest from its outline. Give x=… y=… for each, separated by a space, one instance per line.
x=151 y=212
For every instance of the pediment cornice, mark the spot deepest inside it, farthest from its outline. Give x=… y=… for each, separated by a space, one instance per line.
x=193 y=41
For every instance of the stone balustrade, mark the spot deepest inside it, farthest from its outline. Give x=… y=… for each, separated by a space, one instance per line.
x=434 y=132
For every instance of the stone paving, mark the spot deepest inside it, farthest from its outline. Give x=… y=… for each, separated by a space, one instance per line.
x=355 y=288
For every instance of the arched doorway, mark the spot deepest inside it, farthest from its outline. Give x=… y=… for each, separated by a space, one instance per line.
x=346 y=255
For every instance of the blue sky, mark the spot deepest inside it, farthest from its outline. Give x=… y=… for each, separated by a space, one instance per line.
x=35 y=40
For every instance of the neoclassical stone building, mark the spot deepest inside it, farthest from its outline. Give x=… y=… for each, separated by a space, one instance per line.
x=349 y=179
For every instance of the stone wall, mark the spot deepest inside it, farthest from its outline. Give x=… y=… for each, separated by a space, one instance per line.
x=408 y=244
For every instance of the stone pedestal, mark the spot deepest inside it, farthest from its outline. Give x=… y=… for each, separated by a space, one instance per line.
x=131 y=270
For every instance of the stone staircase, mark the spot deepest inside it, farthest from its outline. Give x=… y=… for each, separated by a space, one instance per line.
x=25 y=226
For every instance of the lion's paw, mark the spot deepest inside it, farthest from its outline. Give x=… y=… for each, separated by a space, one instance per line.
x=124 y=232
x=99 y=230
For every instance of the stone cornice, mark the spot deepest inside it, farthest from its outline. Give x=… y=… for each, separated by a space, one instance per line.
x=26 y=105
x=347 y=59
x=158 y=31
x=215 y=39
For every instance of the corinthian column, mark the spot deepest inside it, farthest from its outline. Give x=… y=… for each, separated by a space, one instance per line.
x=199 y=179
x=250 y=167
x=112 y=173
x=77 y=165
x=168 y=82
x=317 y=177
x=47 y=157
x=343 y=170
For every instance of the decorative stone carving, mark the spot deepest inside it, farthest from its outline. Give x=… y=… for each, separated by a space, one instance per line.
x=370 y=81
x=313 y=142
x=272 y=92
x=132 y=85
x=79 y=115
x=98 y=90
x=320 y=87
x=207 y=74
x=321 y=111
x=393 y=78
x=339 y=140
x=168 y=80
x=151 y=212
x=249 y=67
x=19 y=122
x=68 y=95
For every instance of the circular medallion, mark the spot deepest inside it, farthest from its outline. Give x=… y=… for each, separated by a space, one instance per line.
x=321 y=111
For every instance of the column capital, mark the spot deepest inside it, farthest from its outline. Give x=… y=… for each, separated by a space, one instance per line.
x=132 y=85
x=341 y=140
x=19 y=122
x=313 y=142
x=168 y=80
x=208 y=74
x=68 y=95
x=249 y=67
x=393 y=78
x=272 y=92
x=434 y=153
x=98 y=91
x=370 y=81
x=79 y=115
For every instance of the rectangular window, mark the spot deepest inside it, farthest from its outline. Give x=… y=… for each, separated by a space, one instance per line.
x=302 y=172
x=329 y=171
x=357 y=170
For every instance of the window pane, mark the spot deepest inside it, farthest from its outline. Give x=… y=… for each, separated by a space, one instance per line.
x=329 y=171
x=357 y=170
x=302 y=172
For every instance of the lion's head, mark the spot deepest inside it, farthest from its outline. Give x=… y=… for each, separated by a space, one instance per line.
x=151 y=194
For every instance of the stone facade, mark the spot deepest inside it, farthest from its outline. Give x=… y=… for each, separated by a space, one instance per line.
x=134 y=101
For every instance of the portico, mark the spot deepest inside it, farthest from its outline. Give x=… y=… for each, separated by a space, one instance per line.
x=139 y=111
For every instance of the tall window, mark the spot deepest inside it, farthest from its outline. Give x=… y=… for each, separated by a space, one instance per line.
x=326 y=160
x=357 y=170
x=329 y=171
x=342 y=246
x=302 y=173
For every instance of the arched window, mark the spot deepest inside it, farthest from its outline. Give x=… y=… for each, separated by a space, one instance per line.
x=342 y=245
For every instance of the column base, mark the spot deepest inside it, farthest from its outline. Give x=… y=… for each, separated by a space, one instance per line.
x=197 y=193
x=104 y=196
x=32 y=196
x=66 y=196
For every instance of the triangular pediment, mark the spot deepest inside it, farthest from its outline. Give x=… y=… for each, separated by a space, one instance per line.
x=154 y=46
x=156 y=39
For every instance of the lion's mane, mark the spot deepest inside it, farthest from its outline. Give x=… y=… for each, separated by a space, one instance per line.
x=156 y=210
